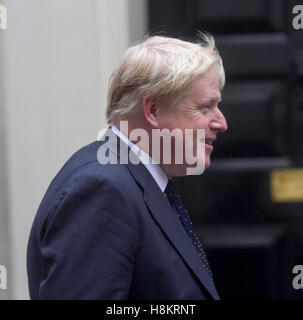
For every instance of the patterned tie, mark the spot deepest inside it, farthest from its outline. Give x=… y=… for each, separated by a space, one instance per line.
x=183 y=215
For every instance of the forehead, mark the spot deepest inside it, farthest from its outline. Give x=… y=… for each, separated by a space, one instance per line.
x=204 y=87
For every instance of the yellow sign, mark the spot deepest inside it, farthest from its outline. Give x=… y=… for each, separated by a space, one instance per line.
x=286 y=185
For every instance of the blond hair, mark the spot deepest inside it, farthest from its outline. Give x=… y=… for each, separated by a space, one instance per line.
x=162 y=67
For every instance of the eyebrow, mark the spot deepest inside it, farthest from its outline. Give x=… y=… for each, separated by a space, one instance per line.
x=215 y=100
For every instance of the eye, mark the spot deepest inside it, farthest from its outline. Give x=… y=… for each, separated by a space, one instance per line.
x=205 y=109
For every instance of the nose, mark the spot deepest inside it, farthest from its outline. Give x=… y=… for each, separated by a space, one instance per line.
x=218 y=122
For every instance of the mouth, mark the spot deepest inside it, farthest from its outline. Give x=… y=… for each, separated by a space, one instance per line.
x=209 y=144
x=210 y=141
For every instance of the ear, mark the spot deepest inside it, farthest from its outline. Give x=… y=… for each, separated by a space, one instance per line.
x=150 y=105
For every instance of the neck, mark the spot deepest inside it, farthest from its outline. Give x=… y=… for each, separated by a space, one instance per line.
x=141 y=135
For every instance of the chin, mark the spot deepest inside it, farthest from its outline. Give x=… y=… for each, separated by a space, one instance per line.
x=207 y=163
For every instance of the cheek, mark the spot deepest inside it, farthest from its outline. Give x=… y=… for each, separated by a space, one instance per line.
x=201 y=121
x=167 y=121
x=196 y=120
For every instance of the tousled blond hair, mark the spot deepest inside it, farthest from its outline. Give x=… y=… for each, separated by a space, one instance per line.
x=162 y=67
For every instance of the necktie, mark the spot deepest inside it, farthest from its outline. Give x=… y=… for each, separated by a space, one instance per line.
x=183 y=215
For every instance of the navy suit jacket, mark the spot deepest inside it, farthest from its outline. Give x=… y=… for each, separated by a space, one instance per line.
x=109 y=232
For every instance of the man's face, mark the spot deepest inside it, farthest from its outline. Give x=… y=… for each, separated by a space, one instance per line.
x=197 y=109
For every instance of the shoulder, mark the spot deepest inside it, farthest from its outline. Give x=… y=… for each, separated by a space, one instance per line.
x=83 y=167
x=84 y=185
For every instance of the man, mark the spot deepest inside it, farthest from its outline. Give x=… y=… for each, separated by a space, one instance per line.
x=117 y=229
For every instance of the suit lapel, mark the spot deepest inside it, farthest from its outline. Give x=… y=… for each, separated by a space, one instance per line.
x=169 y=223
x=165 y=216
